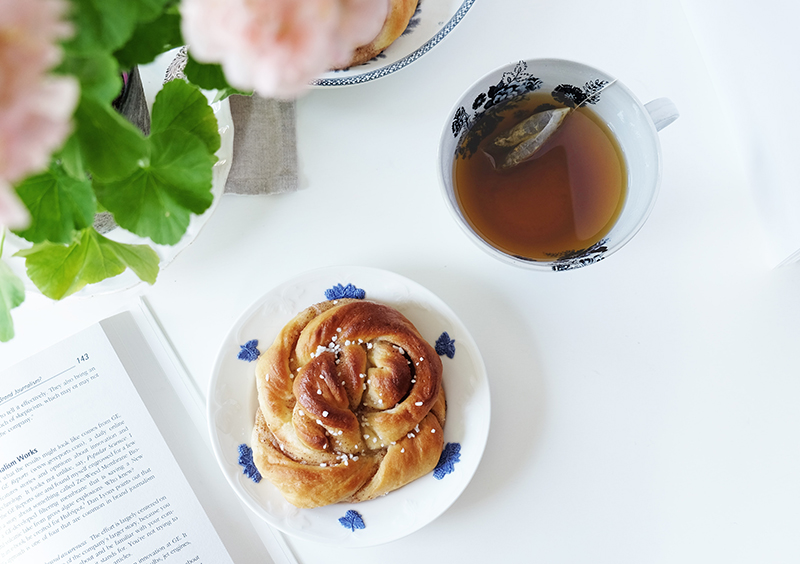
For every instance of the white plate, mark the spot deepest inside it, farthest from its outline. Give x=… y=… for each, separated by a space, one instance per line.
x=232 y=404
x=152 y=76
x=433 y=20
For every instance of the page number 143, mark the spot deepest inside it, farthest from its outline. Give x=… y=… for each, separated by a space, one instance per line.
x=83 y=358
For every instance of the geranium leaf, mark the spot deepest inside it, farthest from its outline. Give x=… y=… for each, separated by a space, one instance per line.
x=97 y=73
x=107 y=24
x=103 y=24
x=55 y=269
x=105 y=257
x=59 y=204
x=111 y=145
x=148 y=9
x=210 y=76
x=181 y=105
x=150 y=39
x=158 y=198
x=12 y=294
x=71 y=158
x=61 y=270
x=141 y=259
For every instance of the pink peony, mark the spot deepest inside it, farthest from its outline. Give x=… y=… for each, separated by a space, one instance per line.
x=276 y=47
x=35 y=106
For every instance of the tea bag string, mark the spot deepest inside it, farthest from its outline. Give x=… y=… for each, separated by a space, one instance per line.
x=603 y=88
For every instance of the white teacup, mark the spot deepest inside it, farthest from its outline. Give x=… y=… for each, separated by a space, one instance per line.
x=634 y=125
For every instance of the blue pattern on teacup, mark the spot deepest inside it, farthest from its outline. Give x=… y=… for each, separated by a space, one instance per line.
x=583 y=257
x=513 y=84
x=574 y=96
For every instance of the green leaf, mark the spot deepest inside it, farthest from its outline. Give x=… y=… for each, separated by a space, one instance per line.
x=158 y=198
x=61 y=270
x=102 y=24
x=210 y=77
x=55 y=269
x=205 y=75
x=59 y=204
x=148 y=9
x=141 y=259
x=97 y=73
x=110 y=144
x=183 y=106
x=12 y=294
x=150 y=39
x=71 y=158
x=106 y=25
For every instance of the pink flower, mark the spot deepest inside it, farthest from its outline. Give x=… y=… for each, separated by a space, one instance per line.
x=12 y=211
x=35 y=106
x=276 y=47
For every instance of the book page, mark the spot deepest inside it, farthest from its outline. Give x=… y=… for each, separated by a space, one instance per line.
x=85 y=475
x=176 y=405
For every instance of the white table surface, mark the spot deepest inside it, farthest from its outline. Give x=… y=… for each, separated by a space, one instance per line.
x=644 y=409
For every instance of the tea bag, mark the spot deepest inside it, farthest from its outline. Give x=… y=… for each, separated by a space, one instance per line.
x=522 y=141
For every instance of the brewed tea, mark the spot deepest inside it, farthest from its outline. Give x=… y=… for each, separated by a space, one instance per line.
x=562 y=200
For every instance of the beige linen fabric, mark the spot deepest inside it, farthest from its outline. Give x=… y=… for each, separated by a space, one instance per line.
x=264 y=146
x=264 y=140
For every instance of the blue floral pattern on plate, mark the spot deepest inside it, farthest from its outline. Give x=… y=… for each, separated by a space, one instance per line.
x=352 y=520
x=249 y=351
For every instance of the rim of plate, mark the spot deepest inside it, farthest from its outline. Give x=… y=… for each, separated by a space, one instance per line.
x=405 y=61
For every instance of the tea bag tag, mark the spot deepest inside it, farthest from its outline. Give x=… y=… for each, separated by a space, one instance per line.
x=521 y=142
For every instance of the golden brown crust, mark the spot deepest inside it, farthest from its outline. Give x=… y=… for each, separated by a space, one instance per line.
x=351 y=404
x=400 y=12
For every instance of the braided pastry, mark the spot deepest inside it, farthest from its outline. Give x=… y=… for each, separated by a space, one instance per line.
x=400 y=12
x=351 y=404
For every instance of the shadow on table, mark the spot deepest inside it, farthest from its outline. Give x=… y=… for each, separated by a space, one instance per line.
x=518 y=396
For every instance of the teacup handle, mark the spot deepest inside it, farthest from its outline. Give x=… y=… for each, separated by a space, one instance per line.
x=662 y=111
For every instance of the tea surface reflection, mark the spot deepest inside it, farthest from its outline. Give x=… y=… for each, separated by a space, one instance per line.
x=564 y=199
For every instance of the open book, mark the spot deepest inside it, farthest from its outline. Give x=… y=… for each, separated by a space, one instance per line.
x=102 y=459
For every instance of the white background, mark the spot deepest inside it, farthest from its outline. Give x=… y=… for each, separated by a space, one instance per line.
x=644 y=409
